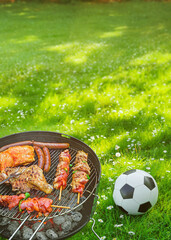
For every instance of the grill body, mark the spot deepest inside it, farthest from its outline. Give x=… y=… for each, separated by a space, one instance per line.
x=68 y=198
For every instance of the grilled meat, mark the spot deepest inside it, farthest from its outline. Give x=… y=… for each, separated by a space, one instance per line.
x=31 y=178
x=62 y=171
x=15 y=156
x=10 y=201
x=81 y=173
x=40 y=205
x=82 y=166
x=81 y=157
x=6 y=160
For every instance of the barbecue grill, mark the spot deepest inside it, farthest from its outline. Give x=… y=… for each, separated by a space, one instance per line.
x=87 y=202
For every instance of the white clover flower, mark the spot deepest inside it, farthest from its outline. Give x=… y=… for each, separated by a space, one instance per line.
x=104 y=197
x=118 y=154
x=100 y=220
x=111 y=179
x=117 y=147
x=165 y=151
x=109 y=207
x=102 y=238
x=131 y=233
x=161 y=159
x=118 y=225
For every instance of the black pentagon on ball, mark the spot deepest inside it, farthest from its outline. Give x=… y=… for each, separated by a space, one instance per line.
x=144 y=207
x=129 y=171
x=122 y=209
x=148 y=182
x=127 y=191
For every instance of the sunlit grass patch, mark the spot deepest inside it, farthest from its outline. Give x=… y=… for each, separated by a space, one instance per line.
x=153 y=57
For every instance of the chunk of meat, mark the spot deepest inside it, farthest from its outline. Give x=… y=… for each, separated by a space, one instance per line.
x=82 y=166
x=15 y=156
x=10 y=201
x=40 y=205
x=80 y=178
x=31 y=178
x=6 y=160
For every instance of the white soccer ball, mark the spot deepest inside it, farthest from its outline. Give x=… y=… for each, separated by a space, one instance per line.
x=135 y=192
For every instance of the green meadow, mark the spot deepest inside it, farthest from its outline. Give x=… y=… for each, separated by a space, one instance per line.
x=100 y=73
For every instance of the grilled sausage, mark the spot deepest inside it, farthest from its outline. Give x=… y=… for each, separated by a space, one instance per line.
x=51 y=145
x=47 y=159
x=15 y=144
x=40 y=155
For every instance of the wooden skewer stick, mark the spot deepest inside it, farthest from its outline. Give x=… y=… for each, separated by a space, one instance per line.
x=60 y=193
x=78 y=199
x=59 y=206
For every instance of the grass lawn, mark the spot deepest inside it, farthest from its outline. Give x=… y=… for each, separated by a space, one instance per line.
x=100 y=73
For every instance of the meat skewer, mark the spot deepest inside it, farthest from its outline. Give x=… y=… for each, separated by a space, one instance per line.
x=41 y=205
x=81 y=172
x=62 y=171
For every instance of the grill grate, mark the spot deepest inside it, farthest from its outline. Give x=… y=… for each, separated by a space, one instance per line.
x=68 y=198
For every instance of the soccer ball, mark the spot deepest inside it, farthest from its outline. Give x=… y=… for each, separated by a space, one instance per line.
x=135 y=192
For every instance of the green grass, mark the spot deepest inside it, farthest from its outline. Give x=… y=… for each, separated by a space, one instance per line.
x=101 y=73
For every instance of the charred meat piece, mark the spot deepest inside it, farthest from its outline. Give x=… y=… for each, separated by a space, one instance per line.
x=81 y=173
x=82 y=166
x=10 y=201
x=31 y=178
x=62 y=170
x=40 y=205
x=15 y=156
x=81 y=157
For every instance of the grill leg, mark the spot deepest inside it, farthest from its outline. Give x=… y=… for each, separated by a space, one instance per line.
x=93 y=229
x=19 y=227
